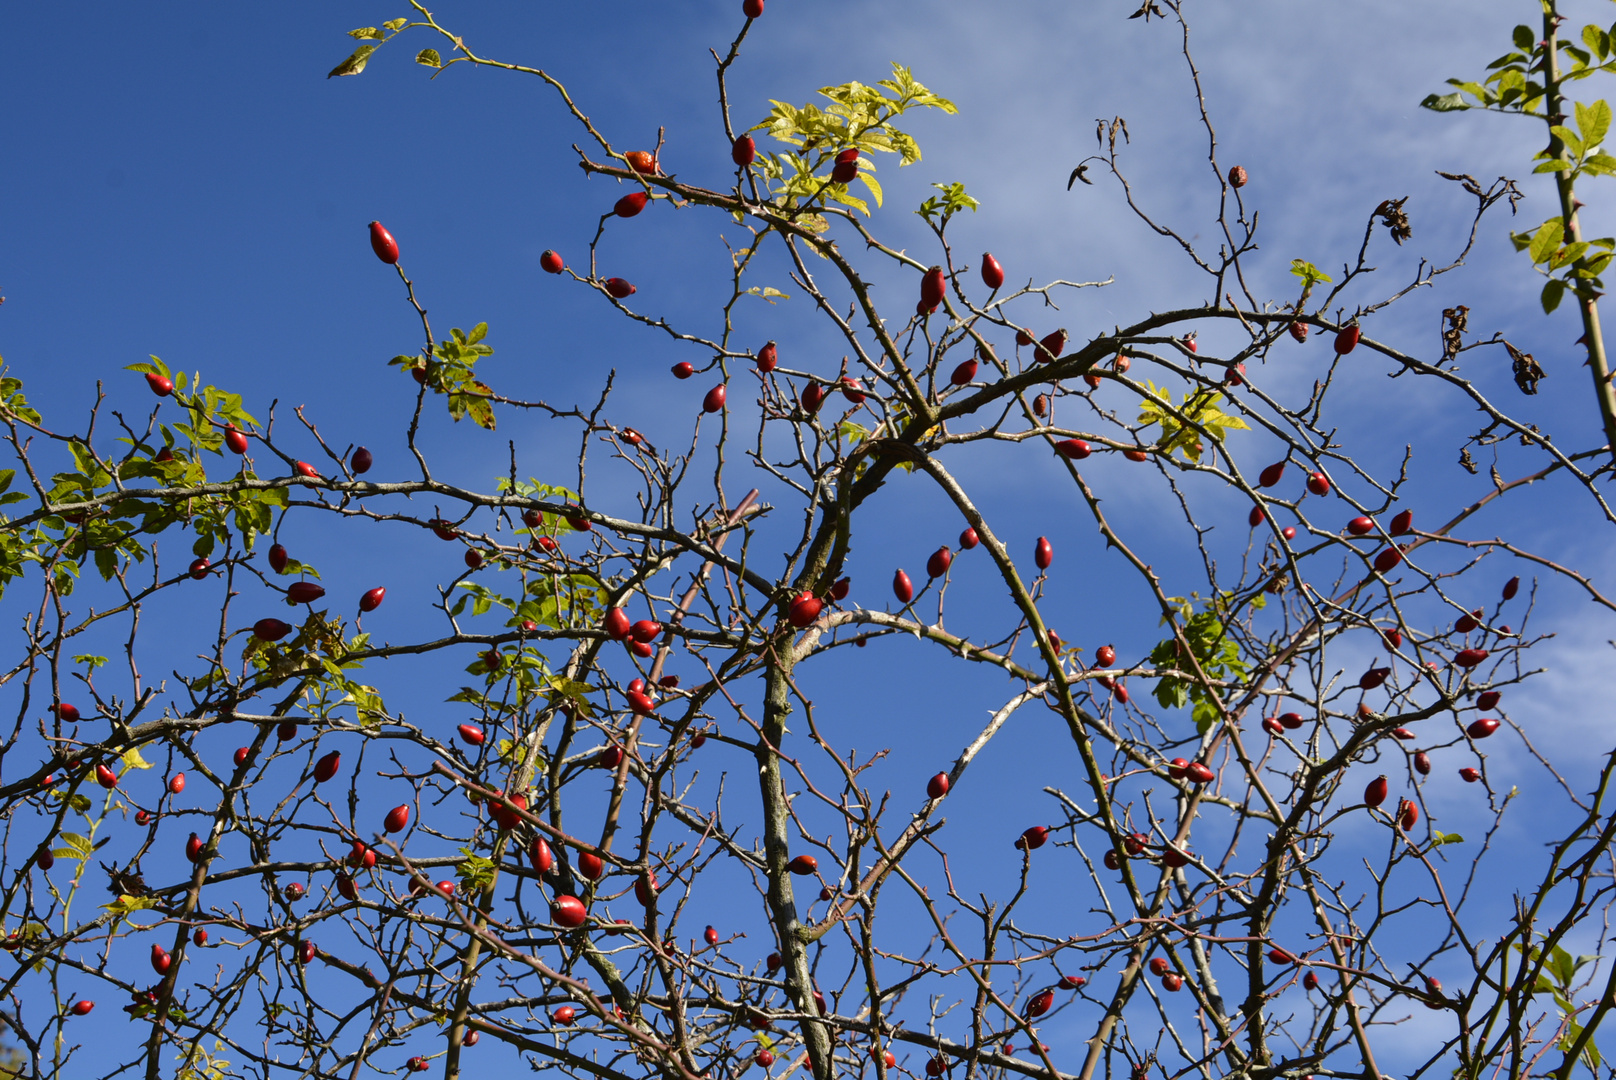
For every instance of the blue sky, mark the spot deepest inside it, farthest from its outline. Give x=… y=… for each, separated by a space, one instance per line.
x=188 y=184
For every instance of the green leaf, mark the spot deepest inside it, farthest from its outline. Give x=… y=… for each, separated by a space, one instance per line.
x=1563 y=966
x=852 y=433
x=474 y=872
x=1546 y=240
x=1593 y=121
x=429 y=57
x=1438 y=839
x=1199 y=410
x=1597 y=40
x=124 y=905
x=953 y=200
x=1599 y=164
x=367 y=33
x=1573 y=145
x=767 y=292
x=394 y=24
x=354 y=64
x=74 y=847
x=1310 y=274
x=1567 y=255
x=1523 y=38
x=869 y=181
x=1553 y=293
x=1444 y=103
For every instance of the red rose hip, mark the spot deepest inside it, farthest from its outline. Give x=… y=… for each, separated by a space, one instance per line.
x=568 y=911
x=1073 y=449
x=270 y=629
x=992 y=272
x=845 y=171
x=1408 y=814
x=616 y=624
x=327 y=766
x=805 y=609
x=1033 y=839
x=304 y=592
x=902 y=587
x=543 y=858
x=383 y=244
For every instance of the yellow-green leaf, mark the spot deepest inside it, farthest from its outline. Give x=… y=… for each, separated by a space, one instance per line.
x=354 y=64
